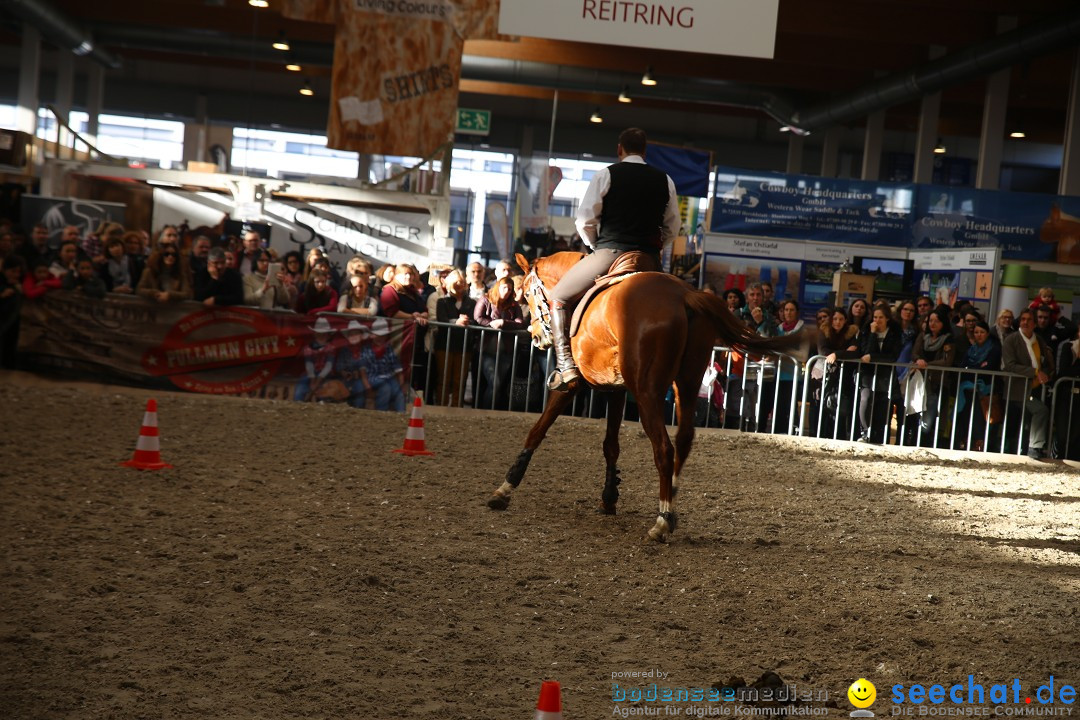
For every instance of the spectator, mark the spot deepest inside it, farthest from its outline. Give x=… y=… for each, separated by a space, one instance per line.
x=1046 y=297
x=399 y=299
x=232 y=260
x=879 y=343
x=384 y=380
x=135 y=247
x=859 y=314
x=477 y=286
x=1024 y=353
x=754 y=315
x=166 y=277
x=85 y=280
x=787 y=372
x=935 y=348
x=71 y=233
x=11 y=297
x=838 y=341
x=970 y=319
x=64 y=262
x=925 y=306
x=168 y=235
x=384 y=277
x=735 y=300
x=264 y=291
x=318 y=296
x=453 y=346
x=200 y=249
x=1067 y=408
x=40 y=281
x=498 y=311
x=1004 y=326
x=249 y=257
x=769 y=300
x=318 y=361
x=218 y=284
x=313 y=256
x=1053 y=332
x=38 y=248
x=294 y=269
x=356 y=266
x=357 y=300
x=503 y=268
x=119 y=270
x=908 y=324
x=983 y=354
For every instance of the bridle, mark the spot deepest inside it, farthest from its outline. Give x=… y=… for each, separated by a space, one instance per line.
x=536 y=296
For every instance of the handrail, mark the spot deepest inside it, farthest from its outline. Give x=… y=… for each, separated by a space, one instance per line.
x=62 y=122
x=446 y=146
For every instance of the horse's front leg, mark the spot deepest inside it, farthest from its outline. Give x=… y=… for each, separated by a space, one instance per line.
x=610 y=496
x=500 y=499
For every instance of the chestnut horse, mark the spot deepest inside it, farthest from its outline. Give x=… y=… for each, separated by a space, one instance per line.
x=642 y=334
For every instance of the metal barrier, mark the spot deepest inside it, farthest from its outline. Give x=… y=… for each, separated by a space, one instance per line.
x=775 y=393
x=1065 y=418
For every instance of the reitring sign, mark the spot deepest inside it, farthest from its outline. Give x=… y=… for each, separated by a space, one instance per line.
x=722 y=27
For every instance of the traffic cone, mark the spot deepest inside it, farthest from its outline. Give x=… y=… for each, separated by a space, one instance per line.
x=549 y=706
x=414 y=436
x=147 y=450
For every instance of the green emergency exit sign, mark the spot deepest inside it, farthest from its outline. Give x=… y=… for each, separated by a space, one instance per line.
x=473 y=122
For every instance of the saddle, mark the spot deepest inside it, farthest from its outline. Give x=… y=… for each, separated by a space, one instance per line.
x=627 y=264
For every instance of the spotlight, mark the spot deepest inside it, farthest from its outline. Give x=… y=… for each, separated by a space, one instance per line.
x=281 y=43
x=258 y=3
x=306 y=90
x=647 y=78
x=292 y=66
x=939 y=149
x=624 y=96
x=596 y=117
x=1018 y=134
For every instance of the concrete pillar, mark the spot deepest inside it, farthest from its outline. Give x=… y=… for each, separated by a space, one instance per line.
x=927 y=136
x=65 y=83
x=830 y=151
x=95 y=95
x=1069 y=184
x=795 y=153
x=872 y=143
x=26 y=108
x=992 y=139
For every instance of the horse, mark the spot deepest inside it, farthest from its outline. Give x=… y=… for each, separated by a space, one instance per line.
x=639 y=335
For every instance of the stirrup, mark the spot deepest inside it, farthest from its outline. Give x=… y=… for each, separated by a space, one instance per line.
x=561 y=380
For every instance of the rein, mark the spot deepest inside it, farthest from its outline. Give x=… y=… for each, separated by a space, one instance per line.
x=535 y=290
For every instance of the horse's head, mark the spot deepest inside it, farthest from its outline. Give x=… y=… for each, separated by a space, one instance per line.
x=536 y=297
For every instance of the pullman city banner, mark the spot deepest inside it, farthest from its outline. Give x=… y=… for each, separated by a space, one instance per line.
x=397 y=67
x=215 y=350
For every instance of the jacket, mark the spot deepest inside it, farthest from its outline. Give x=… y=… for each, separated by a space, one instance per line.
x=1015 y=359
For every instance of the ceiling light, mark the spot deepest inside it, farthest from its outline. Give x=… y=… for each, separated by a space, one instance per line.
x=596 y=117
x=306 y=90
x=259 y=3
x=1018 y=134
x=939 y=149
x=293 y=67
x=785 y=128
x=281 y=43
x=647 y=78
x=624 y=96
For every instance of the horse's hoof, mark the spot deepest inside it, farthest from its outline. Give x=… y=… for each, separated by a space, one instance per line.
x=660 y=530
x=605 y=509
x=498 y=502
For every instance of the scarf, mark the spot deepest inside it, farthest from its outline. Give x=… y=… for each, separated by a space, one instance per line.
x=976 y=354
x=932 y=344
x=789 y=328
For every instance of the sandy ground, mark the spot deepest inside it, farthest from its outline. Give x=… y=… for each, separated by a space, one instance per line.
x=292 y=566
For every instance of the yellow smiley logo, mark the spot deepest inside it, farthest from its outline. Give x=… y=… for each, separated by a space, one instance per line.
x=862 y=693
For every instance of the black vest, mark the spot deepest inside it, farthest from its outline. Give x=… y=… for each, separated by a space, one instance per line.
x=634 y=208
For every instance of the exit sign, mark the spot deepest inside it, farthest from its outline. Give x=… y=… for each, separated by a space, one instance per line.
x=473 y=122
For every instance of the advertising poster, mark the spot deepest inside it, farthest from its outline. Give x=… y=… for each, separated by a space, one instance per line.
x=806 y=207
x=56 y=213
x=952 y=276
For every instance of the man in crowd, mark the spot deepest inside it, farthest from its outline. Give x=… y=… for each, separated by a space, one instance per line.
x=37 y=250
x=66 y=258
x=1025 y=353
x=217 y=284
x=252 y=245
x=754 y=313
x=1053 y=332
x=477 y=288
x=200 y=248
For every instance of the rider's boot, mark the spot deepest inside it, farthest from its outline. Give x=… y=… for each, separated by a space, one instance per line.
x=567 y=372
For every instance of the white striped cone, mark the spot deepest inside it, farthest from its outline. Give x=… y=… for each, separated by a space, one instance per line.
x=414 y=436
x=147 y=449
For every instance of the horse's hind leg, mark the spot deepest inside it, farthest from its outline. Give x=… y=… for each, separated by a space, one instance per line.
x=557 y=401
x=610 y=496
x=652 y=421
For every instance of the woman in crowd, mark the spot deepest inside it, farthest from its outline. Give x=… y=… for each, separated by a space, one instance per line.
x=1004 y=326
x=934 y=349
x=399 y=298
x=310 y=261
x=838 y=341
x=318 y=296
x=788 y=371
x=859 y=314
x=356 y=266
x=39 y=281
x=294 y=269
x=907 y=324
x=120 y=271
x=453 y=346
x=264 y=291
x=166 y=277
x=498 y=310
x=982 y=354
x=357 y=300
x=735 y=299
x=384 y=276
x=878 y=387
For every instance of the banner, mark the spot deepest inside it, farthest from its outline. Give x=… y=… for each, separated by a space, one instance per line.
x=58 y=213
x=688 y=168
x=806 y=207
x=725 y=27
x=397 y=67
x=533 y=193
x=214 y=350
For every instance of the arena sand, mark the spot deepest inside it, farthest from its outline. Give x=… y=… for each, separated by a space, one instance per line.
x=291 y=566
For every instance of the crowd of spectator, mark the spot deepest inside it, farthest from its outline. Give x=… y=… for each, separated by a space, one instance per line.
x=901 y=366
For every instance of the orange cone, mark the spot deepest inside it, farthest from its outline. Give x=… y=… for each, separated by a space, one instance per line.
x=414 y=436
x=147 y=450
x=549 y=706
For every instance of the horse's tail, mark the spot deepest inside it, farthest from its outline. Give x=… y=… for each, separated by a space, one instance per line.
x=733 y=332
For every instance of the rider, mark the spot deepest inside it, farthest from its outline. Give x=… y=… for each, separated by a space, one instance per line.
x=627 y=206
